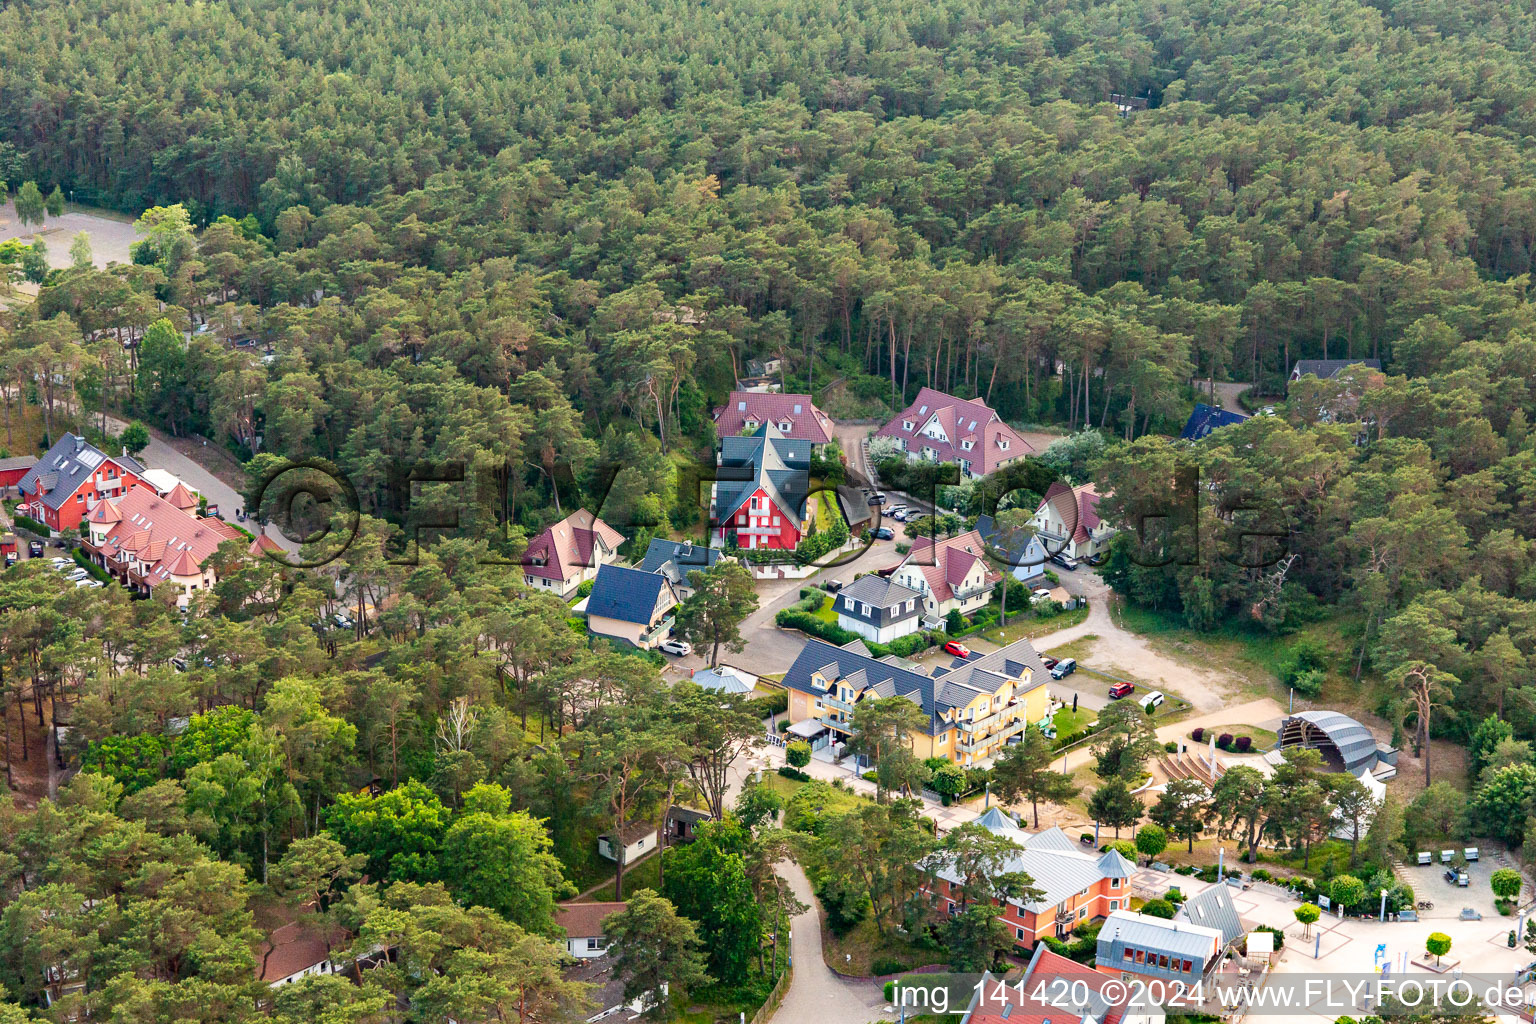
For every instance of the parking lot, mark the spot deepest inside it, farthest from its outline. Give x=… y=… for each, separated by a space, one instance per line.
x=1429 y=883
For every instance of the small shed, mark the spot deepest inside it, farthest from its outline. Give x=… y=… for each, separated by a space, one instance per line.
x=639 y=839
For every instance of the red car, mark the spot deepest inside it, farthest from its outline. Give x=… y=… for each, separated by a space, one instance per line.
x=958 y=649
x=1048 y=661
x=1121 y=690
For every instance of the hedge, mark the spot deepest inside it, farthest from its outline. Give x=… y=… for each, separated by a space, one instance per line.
x=805 y=622
x=83 y=561
x=28 y=523
x=794 y=773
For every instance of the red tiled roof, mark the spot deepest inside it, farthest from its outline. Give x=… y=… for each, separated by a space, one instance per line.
x=262 y=545
x=1044 y=969
x=1084 y=500
x=567 y=547
x=585 y=920
x=961 y=421
x=171 y=541
x=947 y=565
x=289 y=950
x=806 y=422
x=104 y=512
x=181 y=497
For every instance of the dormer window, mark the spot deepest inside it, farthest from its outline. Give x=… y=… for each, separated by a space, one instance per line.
x=906 y=424
x=1002 y=443
x=784 y=425
x=967 y=445
x=751 y=423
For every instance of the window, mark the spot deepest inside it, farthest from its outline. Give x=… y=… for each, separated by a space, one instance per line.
x=1162 y=960
x=1082 y=912
x=1141 y=957
x=1114 y=905
x=967 y=445
x=1002 y=443
x=1019 y=932
x=1127 y=956
x=594 y=943
x=1185 y=965
x=1114 y=883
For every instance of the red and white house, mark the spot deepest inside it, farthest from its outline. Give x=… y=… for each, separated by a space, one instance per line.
x=795 y=415
x=943 y=428
x=149 y=542
x=65 y=484
x=1068 y=521
x=760 y=489
x=569 y=553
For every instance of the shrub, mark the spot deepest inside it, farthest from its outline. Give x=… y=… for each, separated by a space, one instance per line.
x=1262 y=875
x=1174 y=896
x=1224 y=741
x=845 y=908
x=794 y=773
x=1159 y=908
x=954 y=622
x=1171 y=746
x=584 y=588
x=1505 y=883
x=1197 y=734
x=1086 y=837
x=870 y=776
x=887 y=965
x=1244 y=743
x=805 y=622
x=798 y=754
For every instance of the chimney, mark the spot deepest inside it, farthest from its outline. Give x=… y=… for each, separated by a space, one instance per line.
x=79 y=443
x=125 y=451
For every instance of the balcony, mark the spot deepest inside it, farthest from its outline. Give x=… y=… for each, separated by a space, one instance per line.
x=835 y=704
x=966 y=595
x=656 y=635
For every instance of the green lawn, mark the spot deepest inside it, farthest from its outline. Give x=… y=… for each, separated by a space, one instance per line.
x=825 y=612
x=1263 y=739
x=840 y=800
x=645 y=874
x=1068 y=721
x=1028 y=626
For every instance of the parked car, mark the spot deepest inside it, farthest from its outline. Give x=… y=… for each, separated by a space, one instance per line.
x=1049 y=661
x=957 y=648
x=885 y=533
x=900 y=517
x=1064 y=668
x=343 y=620
x=677 y=647
x=35 y=549
x=1064 y=560
x=878 y=498
x=1120 y=690
x=1040 y=593
x=1150 y=702
x=833 y=585
x=1095 y=559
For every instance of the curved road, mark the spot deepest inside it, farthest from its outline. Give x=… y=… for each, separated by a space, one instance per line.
x=816 y=993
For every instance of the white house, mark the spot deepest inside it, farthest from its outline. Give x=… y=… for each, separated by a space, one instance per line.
x=583 y=926
x=639 y=839
x=949 y=573
x=1068 y=521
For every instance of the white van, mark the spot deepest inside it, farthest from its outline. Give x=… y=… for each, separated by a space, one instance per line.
x=1151 y=701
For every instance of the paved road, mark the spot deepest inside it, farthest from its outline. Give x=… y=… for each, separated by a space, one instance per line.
x=816 y=993
x=1226 y=394
x=161 y=454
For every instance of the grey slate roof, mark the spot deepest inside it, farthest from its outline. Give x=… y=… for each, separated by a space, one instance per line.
x=1323 y=369
x=676 y=559
x=861 y=671
x=628 y=595
x=766 y=459
x=1214 y=909
x=65 y=466
x=1356 y=744
x=1126 y=928
x=887 y=601
x=1207 y=418
x=988 y=670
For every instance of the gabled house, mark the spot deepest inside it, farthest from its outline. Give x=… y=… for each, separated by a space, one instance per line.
x=796 y=416
x=12 y=469
x=1327 y=369
x=1055 y=990
x=1207 y=418
x=878 y=609
x=942 y=428
x=605 y=991
x=65 y=484
x=974 y=709
x=631 y=605
x=569 y=553
x=1076 y=885
x=951 y=574
x=637 y=839
x=148 y=542
x=583 y=927
x=294 y=952
x=1023 y=556
x=1068 y=521
x=760 y=489
x=676 y=559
